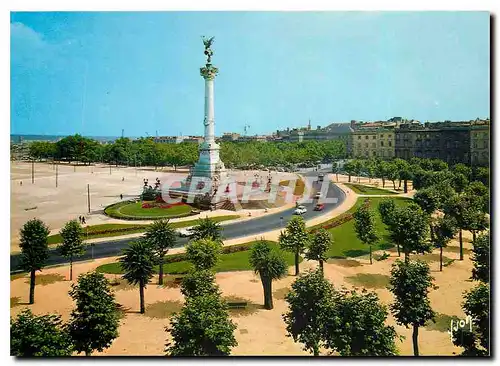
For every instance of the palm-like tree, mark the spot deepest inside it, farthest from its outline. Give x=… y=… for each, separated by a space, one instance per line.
x=207 y=229
x=270 y=265
x=137 y=265
x=161 y=236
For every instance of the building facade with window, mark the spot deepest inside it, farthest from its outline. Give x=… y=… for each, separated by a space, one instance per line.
x=480 y=142
x=371 y=142
x=447 y=141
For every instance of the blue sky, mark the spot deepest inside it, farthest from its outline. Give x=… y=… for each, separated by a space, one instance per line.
x=95 y=73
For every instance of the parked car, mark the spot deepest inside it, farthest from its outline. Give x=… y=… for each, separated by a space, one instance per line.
x=321 y=176
x=186 y=232
x=319 y=207
x=300 y=210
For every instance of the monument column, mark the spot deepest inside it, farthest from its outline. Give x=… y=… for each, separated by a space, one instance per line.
x=209 y=72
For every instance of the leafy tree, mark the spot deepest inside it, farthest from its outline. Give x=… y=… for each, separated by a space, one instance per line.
x=459 y=182
x=444 y=229
x=410 y=282
x=94 y=322
x=203 y=253
x=482 y=174
x=349 y=168
x=270 y=265
x=355 y=325
x=438 y=165
x=404 y=172
x=307 y=304
x=38 y=336
x=392 y=173
x=34 y=250
x=386 y=209
x=202 y=328
x=466 y=210
x=364 y=225
x=207 y=229
x=137 y=264
x=199 y=283
x=72 y=243
x=409 y=228
x=479 y=190
x=477 y=306
x=295 y=239
x=335 y=169
x=161 y=236
x=481 y=258
x=462 y=169
x=319 y=245
x=381 y=171
x=428 y=200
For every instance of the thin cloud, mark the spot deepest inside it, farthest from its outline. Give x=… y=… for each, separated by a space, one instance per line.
x=22 y=34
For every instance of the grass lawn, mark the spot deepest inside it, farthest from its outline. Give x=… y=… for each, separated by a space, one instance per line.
x=135 y=209
x=107 y=230
x=362 y=189
x=346 y=244
x=237 y=261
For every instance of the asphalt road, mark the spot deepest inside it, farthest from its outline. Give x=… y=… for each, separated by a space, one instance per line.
x=230 y=231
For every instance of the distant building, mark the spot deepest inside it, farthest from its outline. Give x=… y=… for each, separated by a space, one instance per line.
x=480 y=142
x=371 y=142
x=177 y=139
x=229 y=136
x=447 y=141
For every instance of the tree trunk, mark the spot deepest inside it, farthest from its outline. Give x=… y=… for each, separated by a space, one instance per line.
x=432 y=233
x=371 y=262
x=415 y=339
x=394 y=184
x=296 y=263
x=405 y=186
x=88 y=353
x=349 y=178
x=383 y=182
x=407 y=257
x=441 y=259
x=399 y=251
x=473 y=236
x=399 y=186
x=268 y=295
x=71 y=267
x=141 y=296
x=316 y=350
x=32 y=286
x=321 y=265
x=461 y=245
x=160 y=274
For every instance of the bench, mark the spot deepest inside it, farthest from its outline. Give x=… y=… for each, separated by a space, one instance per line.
x=237 y=305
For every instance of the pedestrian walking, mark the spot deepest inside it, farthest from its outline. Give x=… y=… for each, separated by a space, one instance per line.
x=83 y=220
x=121 y=196
x=21 y=183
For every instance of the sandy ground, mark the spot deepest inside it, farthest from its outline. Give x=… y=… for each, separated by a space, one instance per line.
x=261 y=332
x=55 y=206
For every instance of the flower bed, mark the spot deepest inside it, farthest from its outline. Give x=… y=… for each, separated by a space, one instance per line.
x=161 y=205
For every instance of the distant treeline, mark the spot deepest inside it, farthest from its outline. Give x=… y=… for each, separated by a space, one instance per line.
x=145 y=151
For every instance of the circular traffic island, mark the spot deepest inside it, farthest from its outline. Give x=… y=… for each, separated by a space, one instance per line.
x=148 y=210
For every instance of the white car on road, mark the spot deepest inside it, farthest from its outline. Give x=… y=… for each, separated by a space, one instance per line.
x=300 y=210
x=186 y=232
